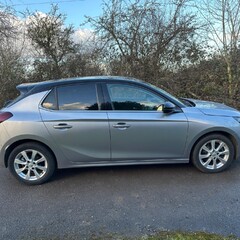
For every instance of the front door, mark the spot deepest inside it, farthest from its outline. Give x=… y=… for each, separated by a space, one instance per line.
x=139 y=131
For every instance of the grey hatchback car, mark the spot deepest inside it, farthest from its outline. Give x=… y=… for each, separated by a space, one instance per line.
x=102 y=121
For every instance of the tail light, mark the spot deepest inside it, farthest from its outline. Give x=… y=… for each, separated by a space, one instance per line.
x=5 y=116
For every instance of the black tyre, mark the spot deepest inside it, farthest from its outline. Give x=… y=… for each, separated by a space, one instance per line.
x=213 y=153
x=31 y=163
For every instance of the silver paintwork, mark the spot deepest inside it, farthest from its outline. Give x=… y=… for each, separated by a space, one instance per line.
x=100 y=138
x=150 y=135
x=86 y=141
x=209 y=105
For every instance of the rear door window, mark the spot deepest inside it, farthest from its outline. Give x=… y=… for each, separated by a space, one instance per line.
x=77 y=97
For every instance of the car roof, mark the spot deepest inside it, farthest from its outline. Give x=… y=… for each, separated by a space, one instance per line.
x=35 y=87
x=27 y=89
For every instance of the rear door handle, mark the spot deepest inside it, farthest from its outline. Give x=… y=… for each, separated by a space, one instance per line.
x=62 y=126
x=121 y=126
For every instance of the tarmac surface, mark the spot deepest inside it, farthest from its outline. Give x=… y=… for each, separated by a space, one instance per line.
x=129 y=201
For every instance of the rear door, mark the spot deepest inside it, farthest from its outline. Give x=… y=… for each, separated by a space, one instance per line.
x=73 y=118
x=139 y=130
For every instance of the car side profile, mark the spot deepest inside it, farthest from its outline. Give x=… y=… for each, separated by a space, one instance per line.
x=102 y=121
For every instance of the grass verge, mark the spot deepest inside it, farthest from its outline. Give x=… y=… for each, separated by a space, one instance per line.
x=189 y=236
x=164 y=235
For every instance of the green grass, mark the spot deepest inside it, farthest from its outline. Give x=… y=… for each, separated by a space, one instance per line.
x=164 y=235
x=188 y=236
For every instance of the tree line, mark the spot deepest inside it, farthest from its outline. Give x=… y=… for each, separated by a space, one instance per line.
x=190 y=48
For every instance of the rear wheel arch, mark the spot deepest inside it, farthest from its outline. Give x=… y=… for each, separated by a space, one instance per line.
x=17 y=143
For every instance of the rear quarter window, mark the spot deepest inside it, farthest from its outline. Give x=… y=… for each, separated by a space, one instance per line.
x=50 y=101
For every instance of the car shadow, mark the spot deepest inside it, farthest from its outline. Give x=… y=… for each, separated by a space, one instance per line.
x=168 y=170
x=123 y=170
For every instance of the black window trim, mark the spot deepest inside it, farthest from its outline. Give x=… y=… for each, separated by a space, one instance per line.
x=106 y=96
x=100 y=96
x=56 y=98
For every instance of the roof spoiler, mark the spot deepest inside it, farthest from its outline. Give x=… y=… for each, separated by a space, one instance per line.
x=25 y=87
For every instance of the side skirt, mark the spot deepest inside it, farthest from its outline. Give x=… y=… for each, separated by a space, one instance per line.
x=124 y=163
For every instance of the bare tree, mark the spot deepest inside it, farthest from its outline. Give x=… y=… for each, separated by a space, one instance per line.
x=52 y=39
x=12 y=67
x=12 y=71
x=223 y=29
x=6 y=18
x=141 y=38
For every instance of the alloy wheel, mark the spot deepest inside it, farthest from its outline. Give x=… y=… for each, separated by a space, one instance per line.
x=214 y=154
x=30 y=165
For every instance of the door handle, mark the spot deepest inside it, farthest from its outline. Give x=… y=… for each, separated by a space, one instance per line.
x=121 y=126
x=62 y=126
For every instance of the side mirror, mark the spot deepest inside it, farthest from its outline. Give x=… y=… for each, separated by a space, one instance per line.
x=169 y=107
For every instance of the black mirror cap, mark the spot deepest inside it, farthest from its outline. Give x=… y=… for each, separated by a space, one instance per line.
x=169 y=107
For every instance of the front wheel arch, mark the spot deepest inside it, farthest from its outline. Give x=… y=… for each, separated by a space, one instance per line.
x=212 y=160
x=226 y=134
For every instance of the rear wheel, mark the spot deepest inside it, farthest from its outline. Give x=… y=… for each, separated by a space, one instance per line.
x=213 y=153
x=32 y=163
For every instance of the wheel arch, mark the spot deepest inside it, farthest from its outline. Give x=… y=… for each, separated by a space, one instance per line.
x=230 y=136
x=19 y=142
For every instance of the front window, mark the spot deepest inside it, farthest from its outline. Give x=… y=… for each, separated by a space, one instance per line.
x=130 y=97
x=177 y=100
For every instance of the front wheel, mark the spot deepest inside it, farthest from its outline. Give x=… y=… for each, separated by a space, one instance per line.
x=213 y=153
x=31 y=163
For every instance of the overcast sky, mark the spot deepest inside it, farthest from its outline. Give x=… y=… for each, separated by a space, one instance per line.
x=74 y=9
